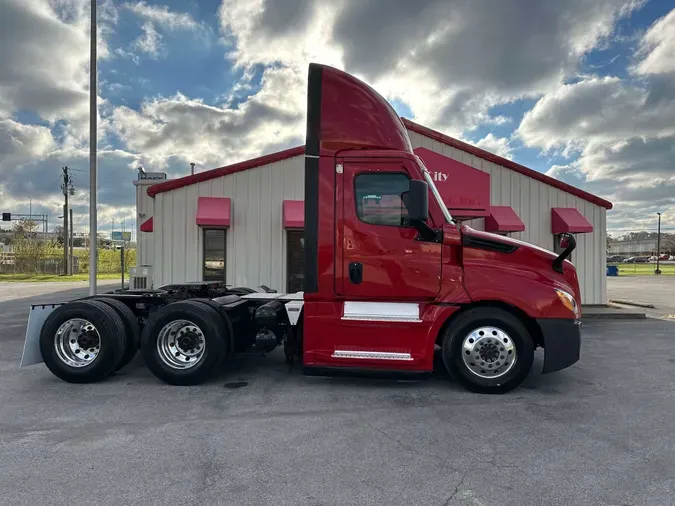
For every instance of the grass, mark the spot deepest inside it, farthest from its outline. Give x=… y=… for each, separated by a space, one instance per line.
x=41 y=278
x=645 y=269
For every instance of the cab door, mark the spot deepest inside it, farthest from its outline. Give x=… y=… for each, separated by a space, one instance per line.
x=383 y=257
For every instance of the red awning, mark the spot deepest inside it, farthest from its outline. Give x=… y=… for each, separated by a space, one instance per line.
x=503 y=219
x=465 y=190
x=294 y=213
x=568 y=219
x=146 y=226
x=213 y=212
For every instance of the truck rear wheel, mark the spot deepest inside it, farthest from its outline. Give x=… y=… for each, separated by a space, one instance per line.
x=132 y=330
x=228 y=337
x=183 y=341
x=488 y=350
x=82 y=341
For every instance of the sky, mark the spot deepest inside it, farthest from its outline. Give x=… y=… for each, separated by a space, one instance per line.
x=582 y=90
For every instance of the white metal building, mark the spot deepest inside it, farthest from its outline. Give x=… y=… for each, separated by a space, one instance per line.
x=243 y=223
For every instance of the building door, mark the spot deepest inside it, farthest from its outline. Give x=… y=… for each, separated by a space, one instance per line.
x=381 y=254
x=214 y=255
x=295 y=260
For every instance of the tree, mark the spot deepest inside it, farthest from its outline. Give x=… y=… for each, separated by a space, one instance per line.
x=58 y=230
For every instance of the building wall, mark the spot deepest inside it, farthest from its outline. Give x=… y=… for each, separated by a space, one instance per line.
x=256 y=239
x=144 y=210
x=532 y=200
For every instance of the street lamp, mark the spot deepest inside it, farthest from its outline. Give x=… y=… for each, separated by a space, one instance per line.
x=658 y=245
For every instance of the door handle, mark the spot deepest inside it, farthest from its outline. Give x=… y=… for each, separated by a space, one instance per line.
x=355 y=272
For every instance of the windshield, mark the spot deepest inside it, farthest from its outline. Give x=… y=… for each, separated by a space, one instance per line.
x=434 y=191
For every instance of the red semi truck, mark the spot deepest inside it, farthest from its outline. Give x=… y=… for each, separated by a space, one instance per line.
x=389 y=278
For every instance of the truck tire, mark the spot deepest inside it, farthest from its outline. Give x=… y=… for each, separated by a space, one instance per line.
x=229 y=334
x=82 y=341
x=132 y=330
x=488 y=350
x=183 y=341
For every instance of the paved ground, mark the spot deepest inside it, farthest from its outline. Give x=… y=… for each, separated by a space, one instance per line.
x=599 y=433
x=656 y=290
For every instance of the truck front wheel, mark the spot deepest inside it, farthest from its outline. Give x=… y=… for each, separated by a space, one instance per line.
x=488 y=350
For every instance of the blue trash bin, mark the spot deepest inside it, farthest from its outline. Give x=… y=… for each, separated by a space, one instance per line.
x=612 y=270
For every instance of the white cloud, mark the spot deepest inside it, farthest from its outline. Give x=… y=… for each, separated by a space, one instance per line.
x=42 y=62
x=163 y=16
x=596 y=110
x=497 y=145
x=658 y=47
x=150 y=42
x=184 y=129
x=567 y=174
x=20 y=143
x=622 y=132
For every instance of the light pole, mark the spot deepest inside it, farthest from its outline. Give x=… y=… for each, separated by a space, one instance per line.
x=658 y=245
x=30 y=209
x=93 y=112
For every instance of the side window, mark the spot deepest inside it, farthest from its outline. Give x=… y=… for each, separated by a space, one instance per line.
x=379 y=198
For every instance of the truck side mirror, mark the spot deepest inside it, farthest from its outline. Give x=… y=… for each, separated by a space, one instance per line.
x=416 y=200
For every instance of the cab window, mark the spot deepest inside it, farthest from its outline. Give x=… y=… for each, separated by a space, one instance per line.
x=379 y=198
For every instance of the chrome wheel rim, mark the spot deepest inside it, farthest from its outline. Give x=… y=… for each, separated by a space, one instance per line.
x=489 y=352
x=181 y=344
x=77 y=342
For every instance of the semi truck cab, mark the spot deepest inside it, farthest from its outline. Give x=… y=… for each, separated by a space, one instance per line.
x=390 y=280
x=390 y=275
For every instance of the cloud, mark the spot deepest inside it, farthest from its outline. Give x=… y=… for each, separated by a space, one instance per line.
x=190 y=130
x=150 y=42
x=658 y=47
x=497 y=145
x=157 y=19
x=597 y=110
x=42 y=62
x=20 y=143
x=162 y=16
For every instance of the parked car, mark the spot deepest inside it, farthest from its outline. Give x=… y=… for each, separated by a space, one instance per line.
x=636 y=260
x=615 y=259
x=664 y=257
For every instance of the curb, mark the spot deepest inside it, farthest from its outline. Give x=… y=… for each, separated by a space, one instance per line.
x=614 y=316
x=632 y=303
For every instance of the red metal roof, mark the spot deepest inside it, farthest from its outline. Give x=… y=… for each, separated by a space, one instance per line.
x=213 y=212
x=294 y=213
x=569 y=219
x=224 y=171
x=147 y=225
x=503 y=219
x=504 y=162
x=445 y=139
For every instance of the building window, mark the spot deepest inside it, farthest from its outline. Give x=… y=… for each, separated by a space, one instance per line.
x=379 y=198
x=214 y=255
x=295 y=254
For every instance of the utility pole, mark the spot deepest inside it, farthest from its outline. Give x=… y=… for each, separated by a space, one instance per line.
x=67 y=188
x=93 y=119
x=658 y=246
x=70 y=263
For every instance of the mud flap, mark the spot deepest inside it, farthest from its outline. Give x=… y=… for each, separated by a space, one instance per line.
x=31 y=347
x=562 y=343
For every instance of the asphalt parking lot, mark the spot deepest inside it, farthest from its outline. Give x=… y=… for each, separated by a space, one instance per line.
x=600 y=433
x=656 y=290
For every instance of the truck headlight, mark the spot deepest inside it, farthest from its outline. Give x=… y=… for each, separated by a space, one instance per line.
x=569 y=302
